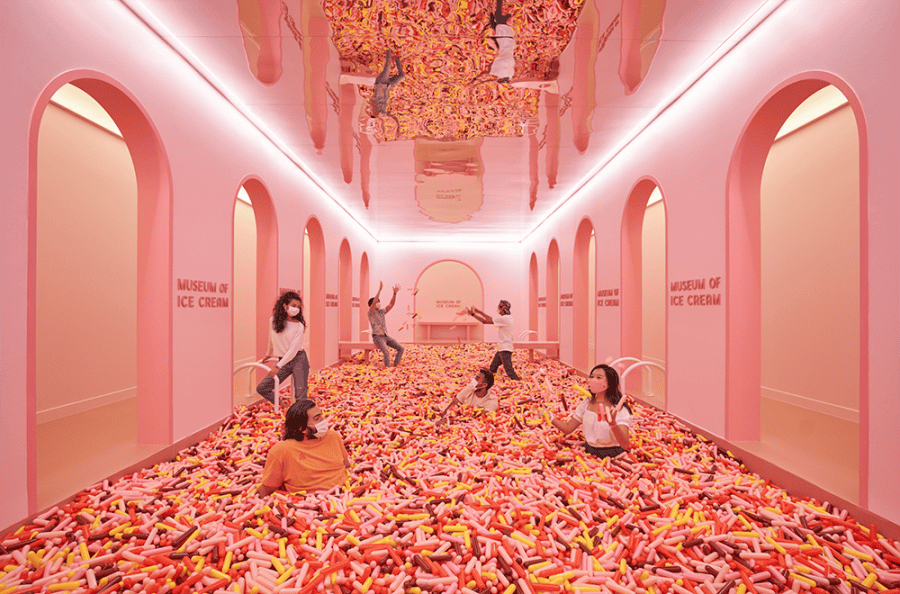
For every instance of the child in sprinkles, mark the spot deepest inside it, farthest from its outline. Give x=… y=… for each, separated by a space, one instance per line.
x=477 y=394
x=311 y=457
x=606 y=420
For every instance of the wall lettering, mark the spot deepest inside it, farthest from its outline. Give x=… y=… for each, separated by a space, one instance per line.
x=455 y=304
x=187 y=296
x=608 y=298
x=700 y=291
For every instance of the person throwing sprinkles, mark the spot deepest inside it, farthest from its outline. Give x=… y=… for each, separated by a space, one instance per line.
x=604 y=416
x=504 y=323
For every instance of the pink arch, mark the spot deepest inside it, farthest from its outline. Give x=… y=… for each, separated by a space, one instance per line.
x=475 y=272
x=266 y=256
x=363 y=294
x=743 y=244
x=315 y=302
x=345 y=290
x=552 y=317
x=533 y=292
x=583 y=297
x=632 y=284
x=154 y=295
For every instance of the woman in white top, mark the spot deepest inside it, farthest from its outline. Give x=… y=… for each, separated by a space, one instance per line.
x=604 y=417
x=286 y=334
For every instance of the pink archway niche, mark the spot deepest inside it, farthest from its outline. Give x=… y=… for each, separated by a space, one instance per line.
x=154 y=262
x=314 y=292
x=254 y=276
x=552 y=317
x=442 y=289
x=533 y=291
x=748 y=276
x=643 y=307
x=584 y=297
x=345 y=290
x=364 y=296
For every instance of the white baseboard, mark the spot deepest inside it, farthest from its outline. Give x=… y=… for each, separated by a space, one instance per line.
x=841 y=412
x=67 y=410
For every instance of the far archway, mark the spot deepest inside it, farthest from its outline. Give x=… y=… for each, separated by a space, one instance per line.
x=584 y=298
x=442 y=291
x=345 y=291
x=552 y=317
x=364 y=296
x=314 y=293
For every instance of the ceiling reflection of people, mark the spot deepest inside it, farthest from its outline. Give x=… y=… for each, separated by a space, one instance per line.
x=586 y=74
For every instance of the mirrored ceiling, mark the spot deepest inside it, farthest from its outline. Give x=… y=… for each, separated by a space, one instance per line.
x=451 y=119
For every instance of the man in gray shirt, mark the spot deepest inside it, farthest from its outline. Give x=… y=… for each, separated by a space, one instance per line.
x=379 y=328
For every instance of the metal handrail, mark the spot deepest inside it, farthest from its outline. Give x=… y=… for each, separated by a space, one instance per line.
x=649 y=365
x=250 y=379
x=526 y=333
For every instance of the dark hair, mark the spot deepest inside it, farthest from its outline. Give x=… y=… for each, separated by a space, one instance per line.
x=613 y=387
x=371 y=301
x=296 y=421
x=505 y=306
x=488 y=377
x=280 y=316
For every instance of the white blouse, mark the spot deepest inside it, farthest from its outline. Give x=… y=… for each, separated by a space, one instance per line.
x=597 y=432
x=288 y=342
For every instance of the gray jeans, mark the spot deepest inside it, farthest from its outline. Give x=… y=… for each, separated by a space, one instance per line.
x=383 y=341
x=299 y=367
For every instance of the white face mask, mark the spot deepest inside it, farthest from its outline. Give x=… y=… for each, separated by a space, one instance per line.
x=322 y=427
x=473 y=384
x=293 y=311
x=596 y=385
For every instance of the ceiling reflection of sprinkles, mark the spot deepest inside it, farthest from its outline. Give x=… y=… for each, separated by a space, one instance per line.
x=443 y=46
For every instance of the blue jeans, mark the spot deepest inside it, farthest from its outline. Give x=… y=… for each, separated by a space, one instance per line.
x=383 y=341
x=299 y=367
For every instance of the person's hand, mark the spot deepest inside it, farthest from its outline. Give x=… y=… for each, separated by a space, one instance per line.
x=272 y=372
x=396 y=288
x=380 y=284
x=609 y=413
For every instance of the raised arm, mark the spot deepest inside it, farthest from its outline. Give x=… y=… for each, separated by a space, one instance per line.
x=480 y=315
x=390 y=305
x=375 y=298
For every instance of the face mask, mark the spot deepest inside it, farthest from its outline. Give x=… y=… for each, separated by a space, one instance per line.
x=322 y=427
x=293 y=311
x=595 y=385
x=473 y=384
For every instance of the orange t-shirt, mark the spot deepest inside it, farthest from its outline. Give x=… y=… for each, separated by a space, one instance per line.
x=306 y=465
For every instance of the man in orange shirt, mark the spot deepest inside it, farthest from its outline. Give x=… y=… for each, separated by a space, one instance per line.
x=311 y=457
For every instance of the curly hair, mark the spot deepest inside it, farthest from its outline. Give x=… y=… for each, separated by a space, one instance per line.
x=280 y=315
x=296 y=421
x=488 y=377
x=505 y=306
x=613 y=386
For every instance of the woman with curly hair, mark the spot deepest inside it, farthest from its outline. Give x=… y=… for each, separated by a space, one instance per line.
x=604 y=421
x=311 y=457
x=286 y=341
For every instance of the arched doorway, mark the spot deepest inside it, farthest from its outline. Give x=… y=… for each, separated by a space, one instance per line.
x=314 y=293
x=345 y=290
x=644 y=288
x=533 y=294
x=552 y=317
x=584 y=297
x=442 y=290
x=364 y=297
x=254 y=279
x=100 y=213
x=796 y=273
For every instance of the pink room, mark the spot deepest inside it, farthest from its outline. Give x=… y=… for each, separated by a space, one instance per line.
x=701 y=196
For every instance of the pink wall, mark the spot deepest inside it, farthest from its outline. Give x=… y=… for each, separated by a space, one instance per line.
x=710 y=117
x=206 y=149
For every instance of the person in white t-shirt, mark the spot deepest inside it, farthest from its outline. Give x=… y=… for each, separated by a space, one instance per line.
x=477 y=394
x=605 y=418
x=504 y=41
x=286 y=343
x=504 y=323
